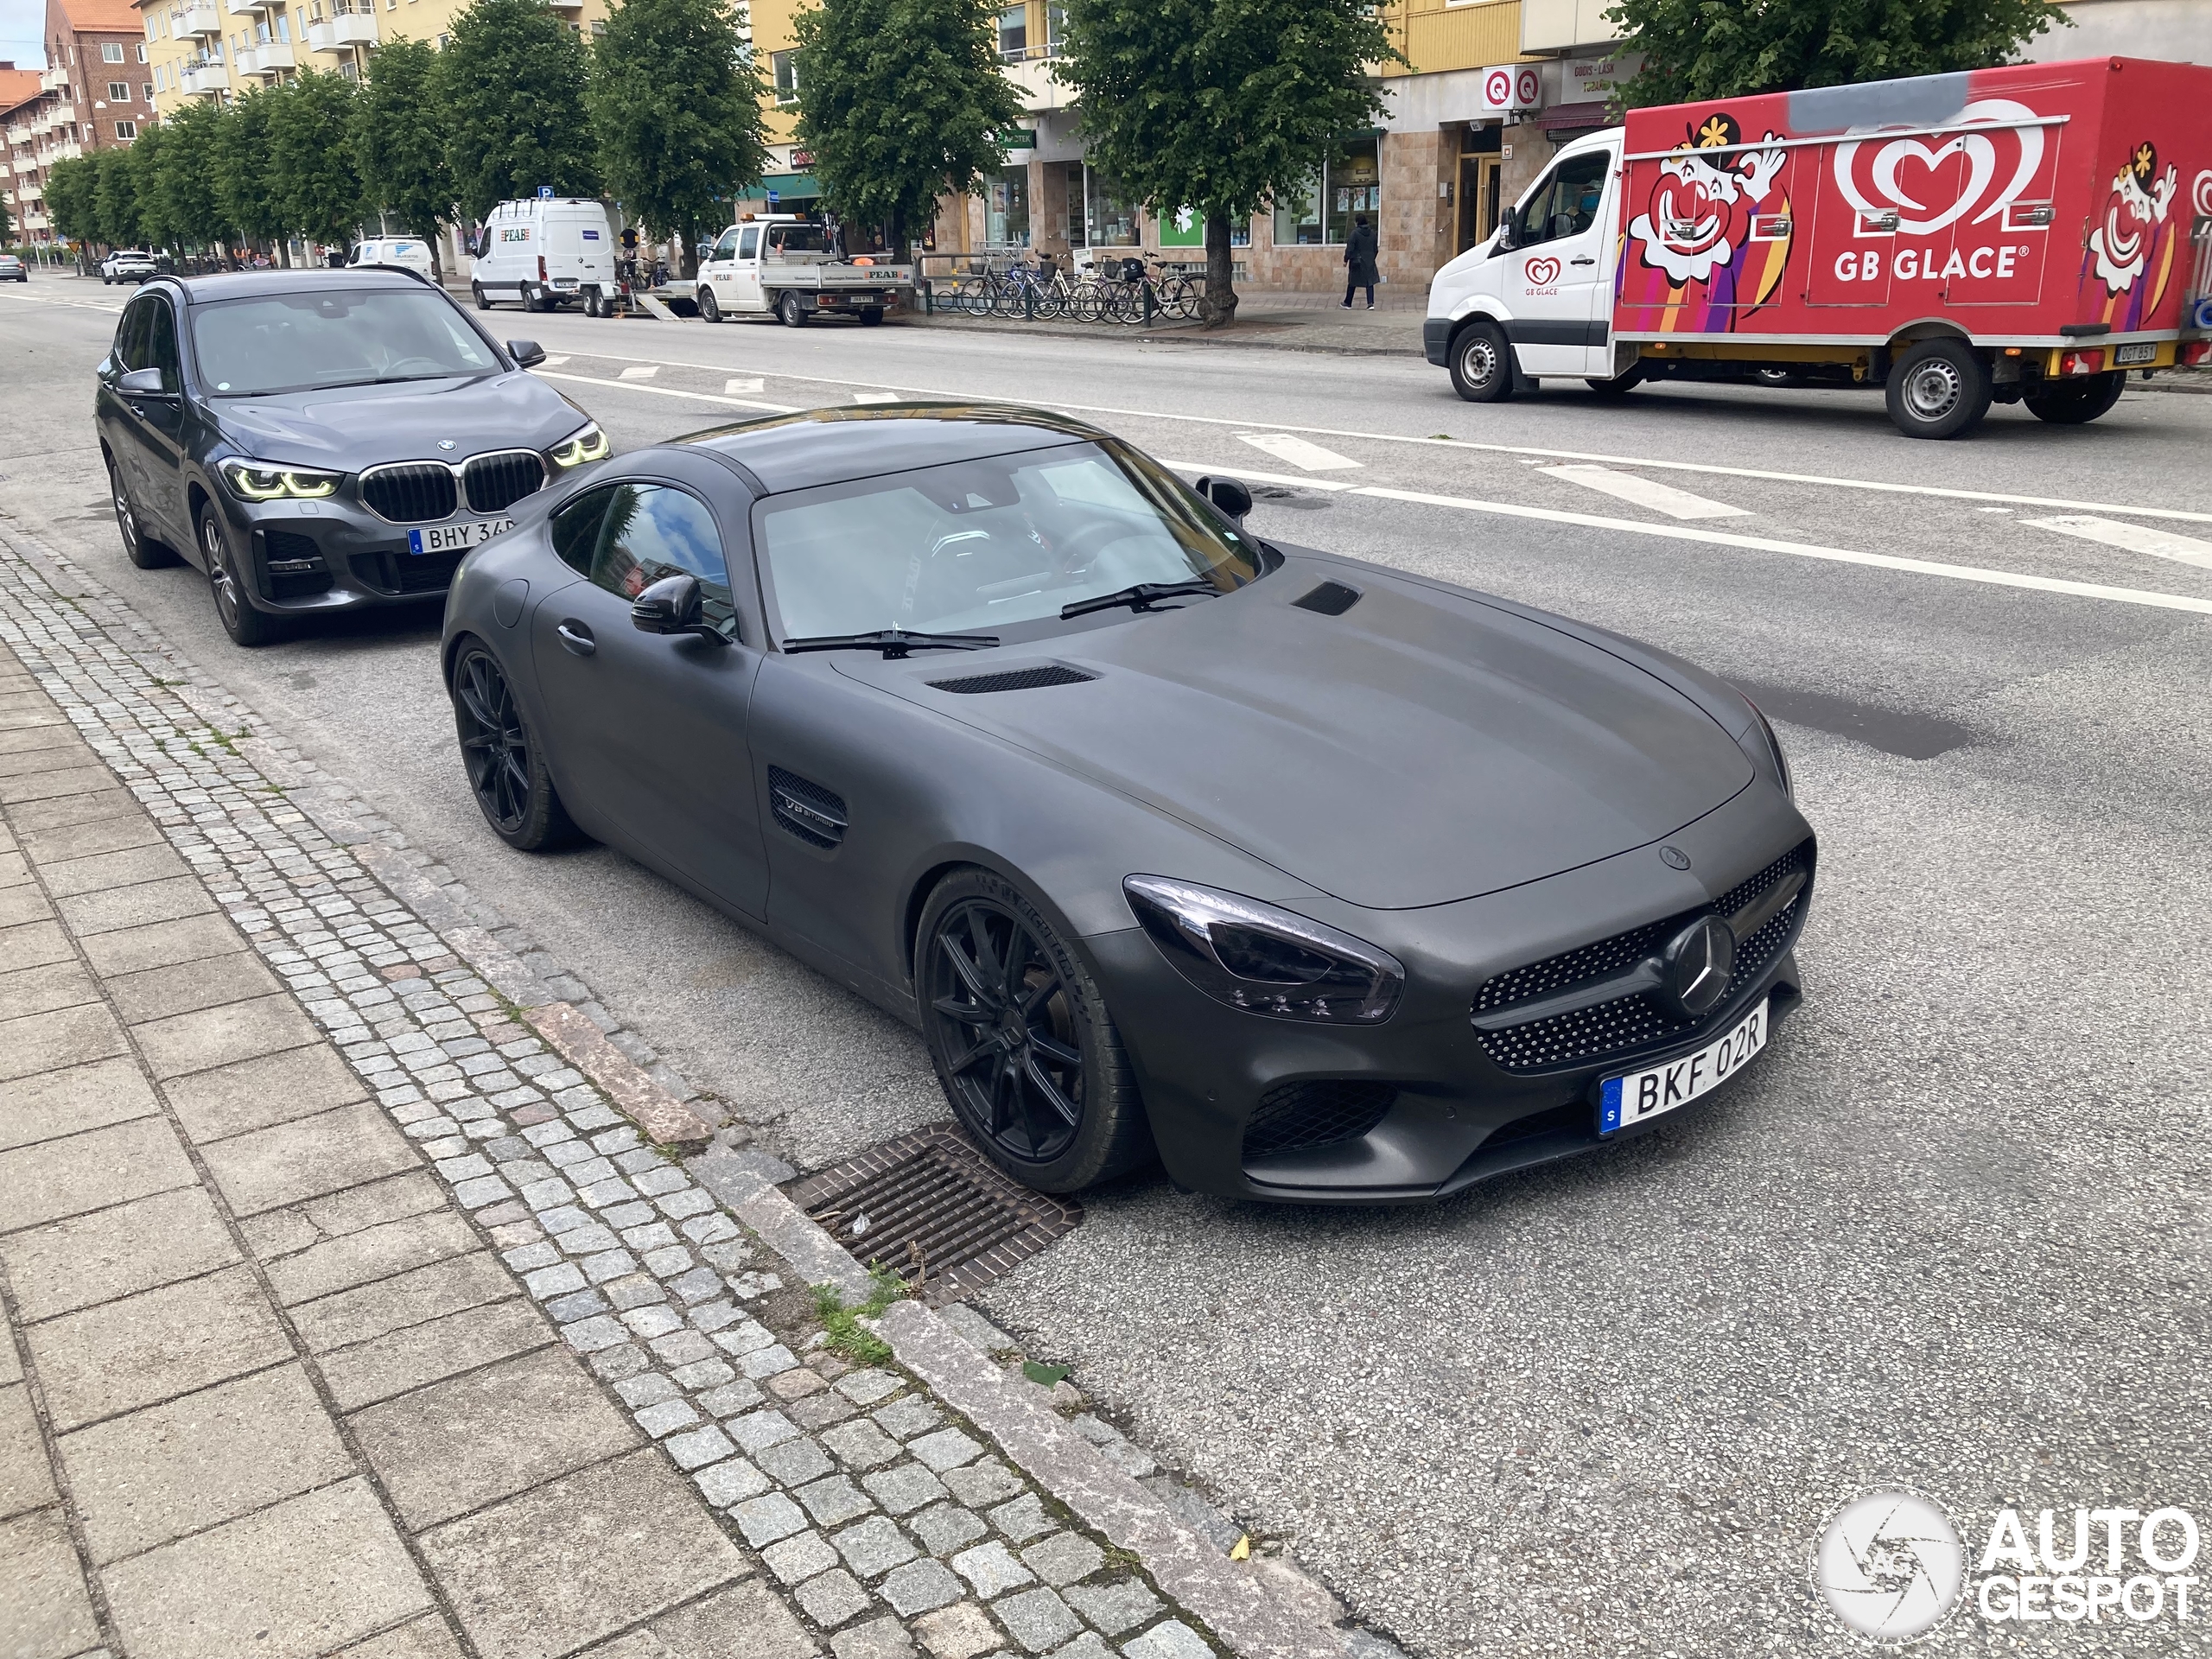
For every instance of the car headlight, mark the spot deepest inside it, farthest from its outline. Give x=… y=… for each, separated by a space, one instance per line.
x=279 y=483
x=589 y=444
x=1761 y=732
x=1263 y=960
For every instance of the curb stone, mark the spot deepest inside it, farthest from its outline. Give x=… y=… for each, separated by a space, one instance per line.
x=424 y=917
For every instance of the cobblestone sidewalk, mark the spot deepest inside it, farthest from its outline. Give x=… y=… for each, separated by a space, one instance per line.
x=346 y=1314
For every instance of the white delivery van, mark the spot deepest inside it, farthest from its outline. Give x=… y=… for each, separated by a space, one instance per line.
x=400 y=252
x=545 y=252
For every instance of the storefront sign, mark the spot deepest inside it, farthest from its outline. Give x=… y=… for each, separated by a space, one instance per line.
x=1511 y=89
x=1014 y=138
x=1590 y=78
x=801 y=160
x=1184 y=228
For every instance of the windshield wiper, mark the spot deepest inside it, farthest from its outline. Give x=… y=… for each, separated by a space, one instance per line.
x=1139 y=596
x=892 y=642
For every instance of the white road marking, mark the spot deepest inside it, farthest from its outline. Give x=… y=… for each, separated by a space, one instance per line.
x=672 y=392
x=1646 y=492
x=1295 y=450
x=879 y=397
x=640 y=372
x=1648 y=463
x=2135 y=538
x=1755 y=544
x=738 y=383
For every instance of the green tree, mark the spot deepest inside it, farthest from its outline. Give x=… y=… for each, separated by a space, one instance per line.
x=399 y=141
x=676 y=101
x=312 y=172
x=1697 y=49
x=70 y=188
x=144 y=158
x=115 y=197
x=1220 y=106
x=243 y=196
x=184 y=176
x=901 y=102
x=513 y=75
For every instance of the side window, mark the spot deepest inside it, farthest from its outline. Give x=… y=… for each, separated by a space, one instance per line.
x=749 y=244
x=1566 y=203
x=130 y=334
x=651 y=532
x=575 y=529
x=727 y=245
x=161 y=345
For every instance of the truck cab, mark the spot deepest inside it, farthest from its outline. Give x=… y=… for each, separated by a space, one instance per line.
x=779 y=264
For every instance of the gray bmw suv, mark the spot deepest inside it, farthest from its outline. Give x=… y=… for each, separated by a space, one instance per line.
x=320 y=440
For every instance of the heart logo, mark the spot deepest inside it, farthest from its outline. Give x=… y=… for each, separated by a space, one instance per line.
x=1542 y=273
x=1955 y=175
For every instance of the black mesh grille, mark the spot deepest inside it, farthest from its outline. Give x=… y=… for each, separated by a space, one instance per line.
x=415 y=494
x=1329 y=598
x=406 y=572
x=1020 y=679
x=1295 y=1116
x=497 y=482
x=284 y=548
x=786 y=789
x=1621 y=1028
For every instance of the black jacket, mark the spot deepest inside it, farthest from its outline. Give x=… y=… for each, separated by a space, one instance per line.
x=1359 y=255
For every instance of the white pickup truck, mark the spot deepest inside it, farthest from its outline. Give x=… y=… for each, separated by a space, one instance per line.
x=776 y=263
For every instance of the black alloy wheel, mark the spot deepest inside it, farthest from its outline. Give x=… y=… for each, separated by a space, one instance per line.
x=234 y=607
x=144 y=554
x=1021 y=1040
x=506 y=774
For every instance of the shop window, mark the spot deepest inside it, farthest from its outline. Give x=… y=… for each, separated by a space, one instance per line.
x=1349 y=183
x=1111 y=212
x=1006 y=208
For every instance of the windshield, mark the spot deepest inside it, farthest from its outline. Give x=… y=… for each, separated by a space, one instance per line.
x=987 y=544
x=293 y=342
x=798 y=239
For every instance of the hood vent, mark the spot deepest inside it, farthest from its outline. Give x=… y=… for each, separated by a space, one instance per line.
x=1329 y=598
x=1020 y=679
x=815 y=815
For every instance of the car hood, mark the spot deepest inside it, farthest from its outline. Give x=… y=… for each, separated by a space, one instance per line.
x=346 y=428
x=1421 y=748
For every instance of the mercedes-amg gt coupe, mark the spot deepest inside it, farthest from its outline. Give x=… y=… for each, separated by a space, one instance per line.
x=1325 y=882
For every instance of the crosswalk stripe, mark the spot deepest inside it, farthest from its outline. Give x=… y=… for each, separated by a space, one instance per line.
x=2134 y=539
x=639 y=371
x=738 y=383
x=877 y=397
x=1299 y=452
x=1645 y=493
x=555 y=362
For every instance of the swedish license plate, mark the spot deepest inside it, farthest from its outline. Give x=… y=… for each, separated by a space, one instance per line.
x=2143 y=351
x=456 y=538
x=1625 y=1101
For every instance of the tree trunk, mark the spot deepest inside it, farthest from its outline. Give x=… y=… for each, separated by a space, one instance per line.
x=437 y=263
x=688 y=262
x=900 y=254
x=1220 y=307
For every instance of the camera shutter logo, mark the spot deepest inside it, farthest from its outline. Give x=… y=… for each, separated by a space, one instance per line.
x=1889 y=1564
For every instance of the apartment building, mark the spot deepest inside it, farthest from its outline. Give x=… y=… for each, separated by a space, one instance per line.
x=93 y=94
x=17 y=88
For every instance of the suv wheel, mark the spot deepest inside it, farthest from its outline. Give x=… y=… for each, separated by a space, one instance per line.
x=1937 y=389
x=144 y=554
x=234 y=596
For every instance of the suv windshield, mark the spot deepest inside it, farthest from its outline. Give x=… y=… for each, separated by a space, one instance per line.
x=990 y=544
x=294 y=342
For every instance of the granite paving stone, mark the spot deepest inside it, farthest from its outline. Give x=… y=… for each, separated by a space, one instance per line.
x=874 y=1546
x=948 y=1448
x=1037 y=1619
x=961 y=1632
x=981 y=1484
x=860 y=1444
x=904 y=1418
x=132 y=1352
x=834 y=1500
x=800 y=1557
x=731 y=1481
x=1023 y=1519
x=992 y=1568
x=795 y=1462
x=746 y=1621
x=764 y=1519
x=757 y=1431
x=905 y=1487
x=920 y=1586
x=697 y=1448
x=74 y=1264
x=1173 y=1640
x=1114 y=1608
x=831 y=1598
x=1063 y=1558
x=881 y=1638
x=946 y=1527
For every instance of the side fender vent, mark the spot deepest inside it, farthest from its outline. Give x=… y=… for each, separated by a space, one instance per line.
x=1020 y=679
x=1329 y=598
x=812 y=813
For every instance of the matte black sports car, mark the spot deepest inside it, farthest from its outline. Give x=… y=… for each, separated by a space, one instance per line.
x=1330 y=882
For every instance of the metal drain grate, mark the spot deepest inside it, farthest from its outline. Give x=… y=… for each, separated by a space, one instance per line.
x=930 y=1208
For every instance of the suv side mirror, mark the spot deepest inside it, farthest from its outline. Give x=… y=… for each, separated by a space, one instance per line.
x=142 y=382
x=527 y=353
x=672 y=606
x=1228 y=495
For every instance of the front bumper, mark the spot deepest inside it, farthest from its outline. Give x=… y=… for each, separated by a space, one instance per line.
x=312 y=557
x=1454 y=1116
x=1436 y=338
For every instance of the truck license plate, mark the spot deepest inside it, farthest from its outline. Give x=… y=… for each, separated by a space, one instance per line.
x=456 y=538
x=2143 y=351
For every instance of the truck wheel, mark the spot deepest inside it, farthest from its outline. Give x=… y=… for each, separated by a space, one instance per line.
x=1621 y=385
x=476 y=293
x=871 y=317
x=708 y=308
x=2073 y=402
x=1938 y=388
x=1482 y=365
x=591 y=301
x=791 y=310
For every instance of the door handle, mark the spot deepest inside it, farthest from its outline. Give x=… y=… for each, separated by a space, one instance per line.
x=576 y=638
x=1582 y=259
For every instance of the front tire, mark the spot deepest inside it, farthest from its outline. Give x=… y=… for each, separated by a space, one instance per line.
x=230 y=590
x=2075 y=403
x=1621 y=385
x=507 y=773
x=476 y=292
x=791 y=310
x=1937 y=389
x=1482 y=365
x=1021 y=1040
x=145 y=554
x=710 y=309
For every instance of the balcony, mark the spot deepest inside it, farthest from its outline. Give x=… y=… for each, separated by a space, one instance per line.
x=20 y=135
x=67 y=150
x=245 y=8
x=55 y=79
x=30 y=194
x=1033 y=81
x=201 y=78
x=347 y=29
x=1565 y=25
x=199 y=19
x=266 y=58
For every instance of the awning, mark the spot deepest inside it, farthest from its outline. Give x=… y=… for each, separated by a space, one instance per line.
x=792 y=184
x=1575 y=117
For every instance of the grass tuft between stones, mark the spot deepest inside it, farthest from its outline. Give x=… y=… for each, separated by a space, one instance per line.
x=843 y=1324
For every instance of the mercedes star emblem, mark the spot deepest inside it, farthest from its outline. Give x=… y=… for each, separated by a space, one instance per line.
x=1698 y=964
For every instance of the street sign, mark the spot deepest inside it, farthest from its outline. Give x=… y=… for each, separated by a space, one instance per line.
x=774 y=198
x=1511 y=89
x=545 y=193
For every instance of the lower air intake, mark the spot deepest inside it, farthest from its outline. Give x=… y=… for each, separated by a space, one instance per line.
x=1320 y=1112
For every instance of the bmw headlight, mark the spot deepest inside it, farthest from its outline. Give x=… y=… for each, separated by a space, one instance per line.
x=1263 y=960
x=1760 y=733
x=257 y=483
x=588 y=444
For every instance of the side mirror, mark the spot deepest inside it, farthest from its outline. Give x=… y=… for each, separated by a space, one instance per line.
x=142 y=382
x=527 y=353
x=1228 y=495
x=672 y=606
x=1505 y=243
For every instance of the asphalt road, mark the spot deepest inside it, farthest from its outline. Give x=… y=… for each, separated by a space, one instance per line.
x=1947 y=1232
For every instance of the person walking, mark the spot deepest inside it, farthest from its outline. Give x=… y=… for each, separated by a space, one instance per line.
x=1359 y=261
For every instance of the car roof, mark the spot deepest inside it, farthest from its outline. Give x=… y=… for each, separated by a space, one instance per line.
x=236 y=284
x=833 y=445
